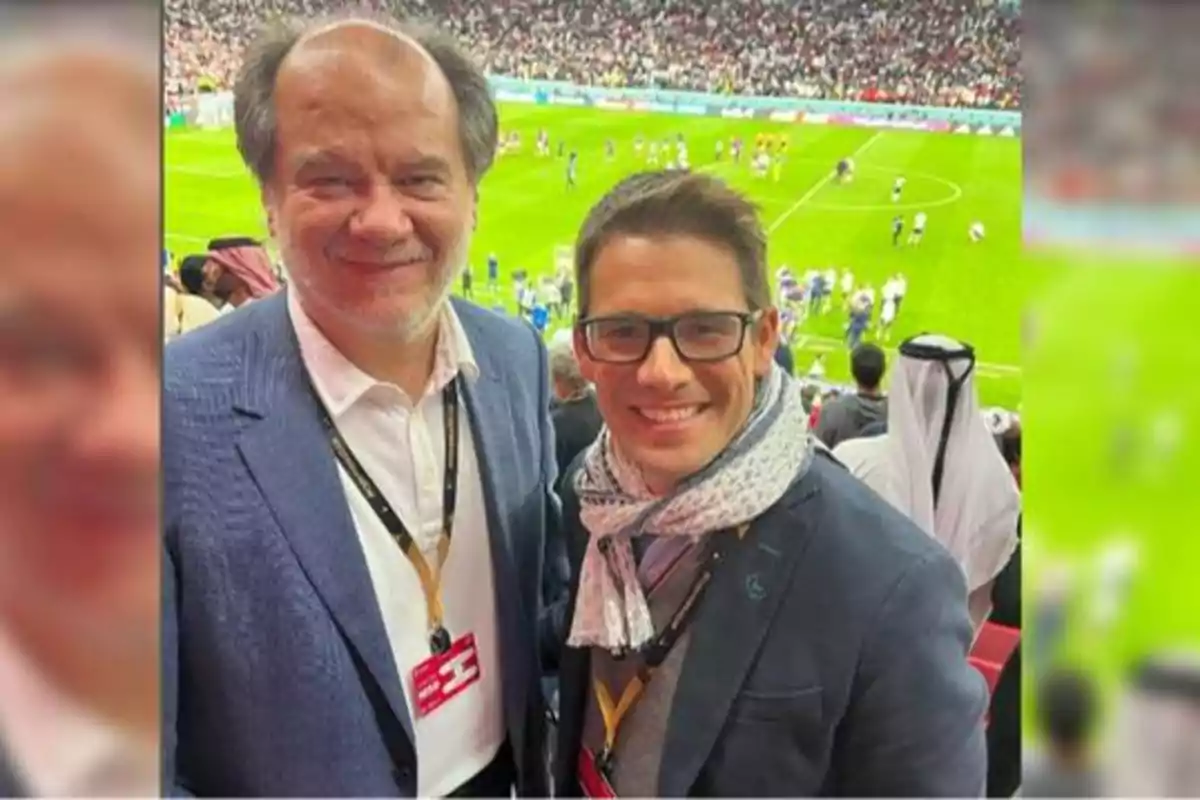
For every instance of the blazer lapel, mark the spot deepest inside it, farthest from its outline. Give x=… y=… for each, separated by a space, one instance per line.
x=289 y=457
x=491 y=421
x=739 y=608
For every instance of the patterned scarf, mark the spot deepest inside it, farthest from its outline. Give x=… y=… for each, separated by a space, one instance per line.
x=772 y=450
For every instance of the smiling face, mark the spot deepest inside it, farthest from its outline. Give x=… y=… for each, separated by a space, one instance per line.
x=370 y=197
x=668 y=416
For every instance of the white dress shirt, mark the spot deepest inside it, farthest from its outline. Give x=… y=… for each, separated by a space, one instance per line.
x=61 y=749
x=400 y=444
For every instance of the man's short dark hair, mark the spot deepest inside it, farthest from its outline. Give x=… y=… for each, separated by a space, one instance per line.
x=867 y=364
x=676 y=203
x=191 y=273
x=1066 y=708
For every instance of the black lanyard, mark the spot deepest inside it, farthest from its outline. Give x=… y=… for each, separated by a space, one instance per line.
x=431 y=580
x=654 y=652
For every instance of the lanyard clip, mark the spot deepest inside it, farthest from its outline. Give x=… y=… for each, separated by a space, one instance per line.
x=439 y=640
x=604 y=760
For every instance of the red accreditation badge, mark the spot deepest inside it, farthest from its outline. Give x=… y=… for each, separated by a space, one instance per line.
x=439 y=678
x=591 y=780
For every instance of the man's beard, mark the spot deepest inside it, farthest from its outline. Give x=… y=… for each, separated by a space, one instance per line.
x=417 y=323
x=224 y=288
x=407 y=328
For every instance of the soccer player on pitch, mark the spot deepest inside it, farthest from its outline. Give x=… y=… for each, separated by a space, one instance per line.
x=918 y=230
x=493 y=272
x=897 y=229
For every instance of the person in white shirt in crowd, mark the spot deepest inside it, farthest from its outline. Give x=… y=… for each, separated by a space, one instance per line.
x=939 y=464
x=551 y=296
x=79 y=402
x=186 y=305
x=830 y=282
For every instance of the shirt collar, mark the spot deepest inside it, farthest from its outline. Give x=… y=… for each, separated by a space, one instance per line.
x=340 y=384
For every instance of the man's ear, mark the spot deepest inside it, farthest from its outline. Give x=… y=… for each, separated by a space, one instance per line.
x=765 y=339
x=587 y=368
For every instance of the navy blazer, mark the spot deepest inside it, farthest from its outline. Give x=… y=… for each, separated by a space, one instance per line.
x=828 y=658
x=278 y=679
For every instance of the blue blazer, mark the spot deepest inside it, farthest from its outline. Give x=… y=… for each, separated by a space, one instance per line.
x=828 y=658
x=277 y=675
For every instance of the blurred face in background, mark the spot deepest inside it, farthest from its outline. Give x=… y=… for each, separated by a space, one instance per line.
x=371 y=200
x=79 y=373
x=218 y=282
x=671 y=417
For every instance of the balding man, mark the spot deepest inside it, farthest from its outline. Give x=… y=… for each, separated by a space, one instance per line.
x=358 y=469
x=575 y=416
x=79 y=410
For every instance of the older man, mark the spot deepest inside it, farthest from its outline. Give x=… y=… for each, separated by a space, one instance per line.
x=79 y=407
x=747 y=618
x=358 y=470
x=576 y=418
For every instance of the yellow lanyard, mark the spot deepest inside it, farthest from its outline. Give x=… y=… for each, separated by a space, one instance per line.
x=431 y=580
x=612 y=715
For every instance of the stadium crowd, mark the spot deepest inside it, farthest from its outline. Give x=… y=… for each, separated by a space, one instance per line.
x=928 y=52
x=746 y=455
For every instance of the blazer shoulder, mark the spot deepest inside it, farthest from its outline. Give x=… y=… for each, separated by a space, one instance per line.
x=216 y=353
x=857 y=532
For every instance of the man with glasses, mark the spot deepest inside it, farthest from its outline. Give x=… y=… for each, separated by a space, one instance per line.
x=745 y=617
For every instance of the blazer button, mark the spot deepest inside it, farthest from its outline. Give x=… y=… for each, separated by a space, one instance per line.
x=403 y=775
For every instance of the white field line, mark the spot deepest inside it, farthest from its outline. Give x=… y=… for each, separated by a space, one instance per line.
x=828 y=344
x=818 y=186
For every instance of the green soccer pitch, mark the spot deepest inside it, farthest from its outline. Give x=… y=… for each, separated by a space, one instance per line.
x=974 y=292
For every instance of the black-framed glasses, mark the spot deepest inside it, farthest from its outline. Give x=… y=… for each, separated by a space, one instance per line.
x=698 y=336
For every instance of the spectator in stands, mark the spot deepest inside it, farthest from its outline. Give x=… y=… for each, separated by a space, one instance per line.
x=847 y=416
x=238 y=271
x=1010 y=448
x=575 y=416
x=296 y=637
x=1066 y=714
x=808 y=396
x=785 y=358
x=925 y=52
x=79 y=403
x=192 y=307
x=826 y=612
x=949 y=479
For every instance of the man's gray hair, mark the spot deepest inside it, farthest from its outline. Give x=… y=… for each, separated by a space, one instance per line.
x=254 y=91
x=564 y=366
